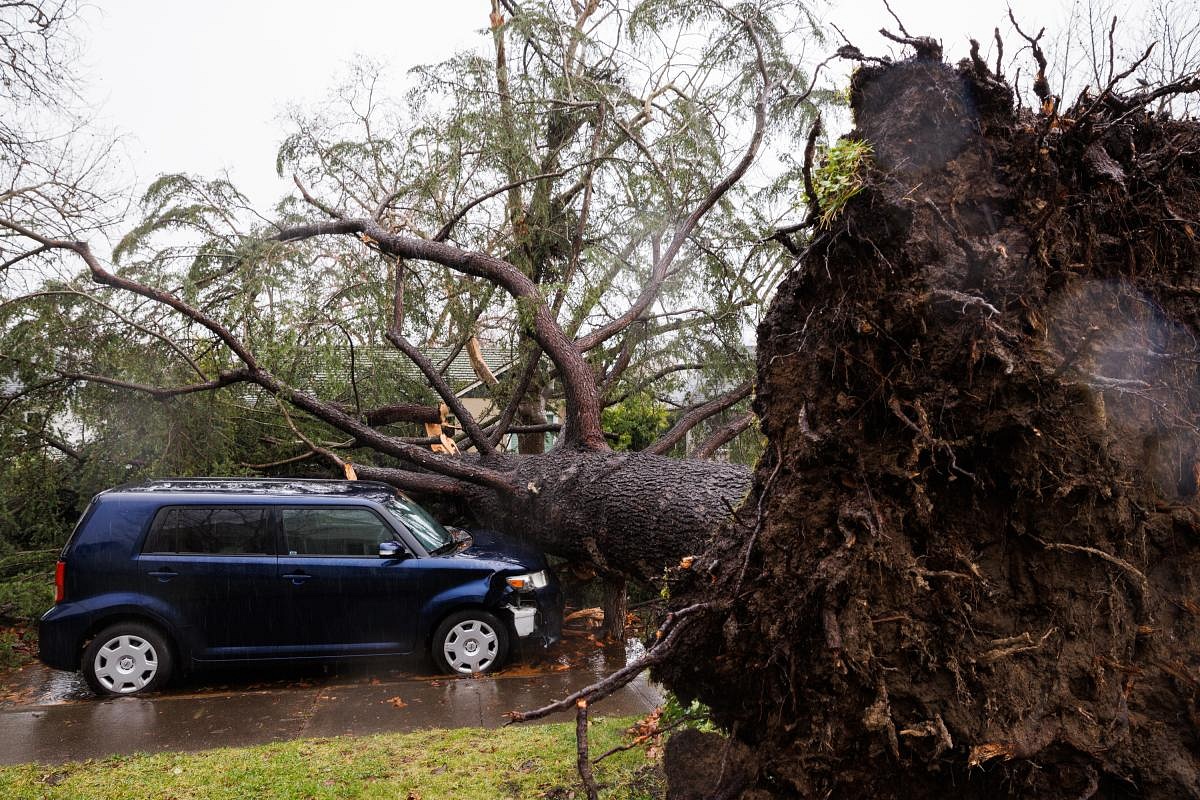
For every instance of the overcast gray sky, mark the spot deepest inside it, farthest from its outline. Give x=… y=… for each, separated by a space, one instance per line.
x=201 y=87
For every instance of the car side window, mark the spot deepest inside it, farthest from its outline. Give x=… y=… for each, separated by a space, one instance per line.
x=333 y=531
x=208 y=530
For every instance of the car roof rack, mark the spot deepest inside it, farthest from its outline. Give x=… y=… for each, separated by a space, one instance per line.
x=259 y=486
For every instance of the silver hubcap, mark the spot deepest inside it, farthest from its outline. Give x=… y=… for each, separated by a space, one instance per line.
x=126 y=664
x=470 y=646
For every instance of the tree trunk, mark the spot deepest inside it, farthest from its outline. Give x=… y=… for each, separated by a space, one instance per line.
x=616 y=606
x=630 y=514
x=532 y=411
x=975 y=573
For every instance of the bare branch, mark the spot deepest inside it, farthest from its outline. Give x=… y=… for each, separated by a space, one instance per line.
x=312 y=201
x=899 y=24
x=927 y=49
x=224 y=378
x=444 y=232
x=665 y=638
x=22 y=256
x=698 y=414
x=1041 y=86
x=583 y=761
x=663 y=263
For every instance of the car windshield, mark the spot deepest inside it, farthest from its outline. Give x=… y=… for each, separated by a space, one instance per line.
x=432 y=536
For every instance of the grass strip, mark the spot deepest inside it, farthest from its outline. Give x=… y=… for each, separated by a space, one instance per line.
x=466 y=763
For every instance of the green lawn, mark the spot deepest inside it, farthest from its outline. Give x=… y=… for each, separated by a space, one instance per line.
x=466 y=764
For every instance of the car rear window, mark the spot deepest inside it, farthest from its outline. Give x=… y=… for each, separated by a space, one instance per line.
x=211 y=530
x=333 y=531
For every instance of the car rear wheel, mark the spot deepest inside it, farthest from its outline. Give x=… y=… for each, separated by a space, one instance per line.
x=470 y=642
x=127 y=658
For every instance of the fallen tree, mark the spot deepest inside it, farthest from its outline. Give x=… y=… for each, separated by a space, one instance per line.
x=970 y=562
x=967 y=563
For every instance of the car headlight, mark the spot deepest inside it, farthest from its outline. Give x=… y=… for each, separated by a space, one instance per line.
x=530 y=580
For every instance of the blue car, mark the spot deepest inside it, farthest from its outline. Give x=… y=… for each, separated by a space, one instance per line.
x=174 y=574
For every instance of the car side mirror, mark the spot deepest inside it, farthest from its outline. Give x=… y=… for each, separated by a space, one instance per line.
x=392 y=550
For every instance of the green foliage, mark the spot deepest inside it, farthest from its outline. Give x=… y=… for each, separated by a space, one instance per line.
x=35 y=501
x=840 y=176
x=637 y=421
x=687 y=715
x=26 y=591
x=25 y=596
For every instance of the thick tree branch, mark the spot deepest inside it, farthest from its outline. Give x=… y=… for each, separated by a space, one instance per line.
x=390 y=445
x=698 y=414
x=326 y=412
x=726 y=433
x=514 y=402
x=810 y=192
x=465 y=418
x=22 y=256
x=106 y=278
x=413 y=481
x=396 y=412
x=583 y=408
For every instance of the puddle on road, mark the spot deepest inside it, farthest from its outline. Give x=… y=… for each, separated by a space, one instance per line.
x=36 y=684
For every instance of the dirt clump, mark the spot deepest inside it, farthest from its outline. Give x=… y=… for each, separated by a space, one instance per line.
x=974 y=560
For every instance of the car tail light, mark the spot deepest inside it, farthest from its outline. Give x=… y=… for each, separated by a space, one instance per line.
x=60 y=579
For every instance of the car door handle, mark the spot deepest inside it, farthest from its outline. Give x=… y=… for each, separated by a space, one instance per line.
x=297 y=578
x=163 y=575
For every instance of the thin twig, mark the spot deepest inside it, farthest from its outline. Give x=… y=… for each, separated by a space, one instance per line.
x=641 y=740
x=581 y=746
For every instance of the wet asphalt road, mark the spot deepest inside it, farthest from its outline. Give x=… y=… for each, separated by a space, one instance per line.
x=50 y=717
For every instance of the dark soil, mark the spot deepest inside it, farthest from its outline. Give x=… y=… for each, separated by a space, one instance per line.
x=976 y=573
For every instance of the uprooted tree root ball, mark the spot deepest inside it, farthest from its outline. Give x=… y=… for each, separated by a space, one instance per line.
x=977 y=568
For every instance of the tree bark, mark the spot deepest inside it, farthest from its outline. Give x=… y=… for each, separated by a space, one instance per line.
x=615 y=604
x=532 y=411
x=630 y=514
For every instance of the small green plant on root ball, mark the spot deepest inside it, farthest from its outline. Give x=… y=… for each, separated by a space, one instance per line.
x=840 y=176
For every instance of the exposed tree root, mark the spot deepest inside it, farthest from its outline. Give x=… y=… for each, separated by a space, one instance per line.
x=976 y=571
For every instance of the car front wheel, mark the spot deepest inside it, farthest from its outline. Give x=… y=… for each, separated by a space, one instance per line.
x=470 y=642
x=127 y=658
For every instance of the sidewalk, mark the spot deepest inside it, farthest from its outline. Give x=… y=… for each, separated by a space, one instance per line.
x=96 y=728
